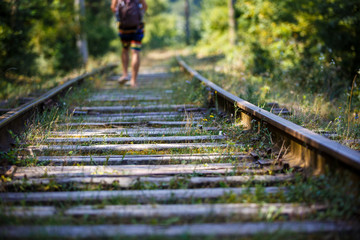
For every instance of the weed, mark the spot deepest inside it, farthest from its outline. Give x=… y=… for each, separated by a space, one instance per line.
x=315 y=110
x=335 y=190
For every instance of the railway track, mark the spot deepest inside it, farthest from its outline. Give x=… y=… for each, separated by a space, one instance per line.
x=143 y=163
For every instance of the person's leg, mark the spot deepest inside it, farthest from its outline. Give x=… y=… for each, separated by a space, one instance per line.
x=135 y=54
x=135 y=65
x=125 y=62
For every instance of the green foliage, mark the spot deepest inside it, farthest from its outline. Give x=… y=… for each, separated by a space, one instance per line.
x=330 y=34
x=97 y=27
x=156 y=7
x=311 y=43
x=160 y=25
x=40 y=36
x=38 y=42
x=214 y=21
x=335 y=190
x=336 y=27
x=8 y=158
x=55 y=37
x=16 y=21
x=307 y=45
x=160 y=31
x=36 y=35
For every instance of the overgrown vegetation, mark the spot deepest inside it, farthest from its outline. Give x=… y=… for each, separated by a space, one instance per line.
x=280 y=46
x=38 y=42
x=301 y=54
x=310 y=190
x=303 y=46
x=311 y=42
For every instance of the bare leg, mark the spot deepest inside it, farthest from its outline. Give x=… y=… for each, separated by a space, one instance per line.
x=135 y=65
x=125 y=61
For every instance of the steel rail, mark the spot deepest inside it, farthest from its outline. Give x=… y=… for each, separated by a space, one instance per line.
x=307 y=147
x=14 y=120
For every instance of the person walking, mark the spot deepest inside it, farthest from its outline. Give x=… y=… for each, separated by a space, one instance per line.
x=129 y=14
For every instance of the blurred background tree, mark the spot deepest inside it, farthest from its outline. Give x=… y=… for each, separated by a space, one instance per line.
x=99 y=20
x=307 y=44
x=17 y=19
x=313 y=43
x=36 y=36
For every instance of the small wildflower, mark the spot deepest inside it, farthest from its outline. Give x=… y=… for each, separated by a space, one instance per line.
x=204 y=119
x=215 y=92
x=5 y=179
x=211 y=116
x=356 y=116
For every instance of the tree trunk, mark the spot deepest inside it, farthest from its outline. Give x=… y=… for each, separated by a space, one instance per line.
x=14 y=8
x=232 y=22
x=187 y=22
x=81 y=36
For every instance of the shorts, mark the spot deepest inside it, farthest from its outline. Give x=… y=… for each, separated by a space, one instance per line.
x=132 y=38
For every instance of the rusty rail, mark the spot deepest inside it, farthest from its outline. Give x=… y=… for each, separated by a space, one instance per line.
x=306 y=148
x=14 y=120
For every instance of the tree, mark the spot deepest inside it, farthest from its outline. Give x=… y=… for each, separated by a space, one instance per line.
x=17 y=55
x=232 y=22
x=187 y=22
x=81 y=41
x=99 y=27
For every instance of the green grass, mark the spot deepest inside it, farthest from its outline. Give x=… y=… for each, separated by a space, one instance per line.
x=314 y=111
x=332 y=189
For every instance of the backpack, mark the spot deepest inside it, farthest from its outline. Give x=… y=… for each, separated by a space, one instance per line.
x=129 y=14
